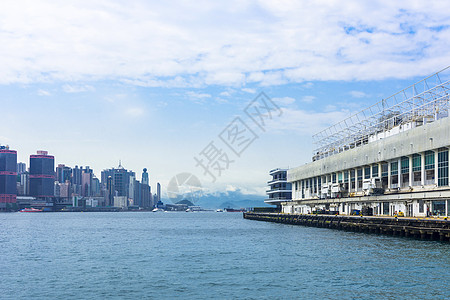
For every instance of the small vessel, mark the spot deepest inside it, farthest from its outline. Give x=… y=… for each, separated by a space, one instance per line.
x=31 y=209
x=157 y=210
x=235 y=210
x=219 y=210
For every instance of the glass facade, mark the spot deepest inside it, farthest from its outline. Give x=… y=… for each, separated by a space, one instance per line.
x=394 y=168
x=405 y=165
x=429 y=160
x=375 y=171
x=384 y=170
x=42 y=175
x=8 y=176
x=366 y=172
x=443 y=168
x=417 y=164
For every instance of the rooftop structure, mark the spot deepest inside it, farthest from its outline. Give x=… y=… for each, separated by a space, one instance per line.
x=423 y=102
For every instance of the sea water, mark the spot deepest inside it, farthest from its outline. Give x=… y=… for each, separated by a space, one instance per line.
x=208 y=255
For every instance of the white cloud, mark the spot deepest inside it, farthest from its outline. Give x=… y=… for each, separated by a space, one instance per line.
x=248 y=90
x=77 y=88
x=308 y=122
x=43 y=93
x=358 y=94
x=195 y=95
x=308 y=85
x=134 y=111
x=308 y=99
x=229 y=43
x=284 y=100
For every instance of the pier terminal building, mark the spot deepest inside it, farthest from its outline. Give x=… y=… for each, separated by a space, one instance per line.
x=280 y=191
x=391 y=158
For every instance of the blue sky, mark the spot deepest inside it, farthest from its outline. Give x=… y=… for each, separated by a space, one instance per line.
x=152 y=83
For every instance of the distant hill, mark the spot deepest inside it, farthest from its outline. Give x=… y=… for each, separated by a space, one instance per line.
x=234 y=199
x=187 y=202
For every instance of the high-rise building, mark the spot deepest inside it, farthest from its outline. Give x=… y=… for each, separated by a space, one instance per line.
x=145 y=179
x=76 y=180
x=23 y=184
x=42 y=175
x=158 y=192
x=120 y=184
x=76 y=175
x=8 y=177
x=145 y=190
x=63 y=173
x=21 y=168
x=110 y=191
x=95 y=188
x=86 y=182
x=23 y=179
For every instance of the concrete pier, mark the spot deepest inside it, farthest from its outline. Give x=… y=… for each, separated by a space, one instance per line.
x=421 y=228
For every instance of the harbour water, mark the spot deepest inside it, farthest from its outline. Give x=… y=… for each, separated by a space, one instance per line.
x=144 y=255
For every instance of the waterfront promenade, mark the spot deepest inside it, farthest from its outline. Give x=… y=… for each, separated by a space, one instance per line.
x=422 y=228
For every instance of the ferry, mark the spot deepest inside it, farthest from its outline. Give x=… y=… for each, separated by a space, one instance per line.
x=235 y=210
x=31 y=209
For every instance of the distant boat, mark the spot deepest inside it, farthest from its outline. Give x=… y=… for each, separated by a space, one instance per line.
x=219 y=210
x=31 y=210
x=157 y=210
x=235 y=210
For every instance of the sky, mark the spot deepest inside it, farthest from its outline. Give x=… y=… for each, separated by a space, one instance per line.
x=159 y=84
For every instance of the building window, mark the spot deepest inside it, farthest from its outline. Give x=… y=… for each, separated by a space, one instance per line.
x=443 y=168
x=417 y=164
x=375 y=171
x=384 y=170
x=334 y=178
x=394 y=168
x=366 y=172
x=360 y=174
x=346 y=176
x=340 y=177
x=429 y=160
x=421 y=210
x=405 y=165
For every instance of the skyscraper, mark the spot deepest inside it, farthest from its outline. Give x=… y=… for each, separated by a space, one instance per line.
x=120 y=185
x=158 y=192
x=145 y=177
x=86 y=182
x=76 y=180
x=23 y=179
x=110 y=191
x=42 y=175
x=21 y=168
x=63 y=173
x=145 y=190
x=8 y=177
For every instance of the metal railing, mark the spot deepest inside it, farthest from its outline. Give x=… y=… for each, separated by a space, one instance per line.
x=424 y=101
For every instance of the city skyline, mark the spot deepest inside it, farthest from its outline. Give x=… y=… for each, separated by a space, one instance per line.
x=94 y=82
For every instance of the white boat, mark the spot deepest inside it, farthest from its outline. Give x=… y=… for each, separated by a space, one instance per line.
x=157 y=210
x=219 y=210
